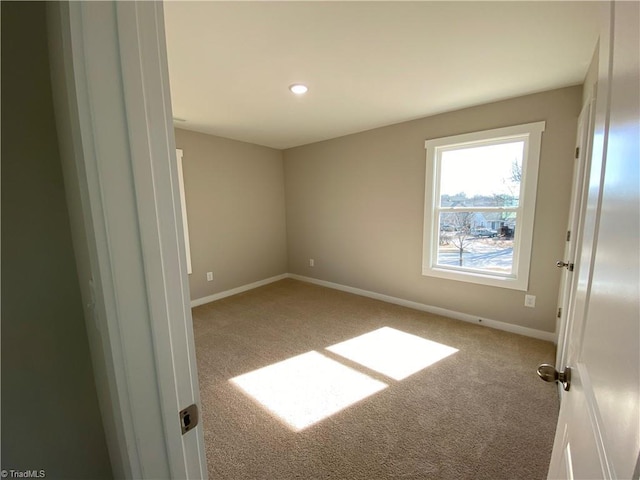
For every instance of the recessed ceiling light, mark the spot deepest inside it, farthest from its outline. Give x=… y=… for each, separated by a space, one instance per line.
x=298 y=88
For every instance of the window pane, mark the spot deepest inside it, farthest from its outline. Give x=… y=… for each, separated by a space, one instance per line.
x=486 y=176
x=477 y=240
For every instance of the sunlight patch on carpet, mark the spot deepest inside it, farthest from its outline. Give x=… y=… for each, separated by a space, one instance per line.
x=392 y=352
x=307 y=388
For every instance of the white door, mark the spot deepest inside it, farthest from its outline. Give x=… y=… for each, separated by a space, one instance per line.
x=598 y=433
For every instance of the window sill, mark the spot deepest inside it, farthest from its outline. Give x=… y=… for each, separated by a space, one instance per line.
x=477 y=278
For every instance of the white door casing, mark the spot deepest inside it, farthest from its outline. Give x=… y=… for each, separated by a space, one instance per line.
x=598 y=433
x=579 y=191
x=113 y=112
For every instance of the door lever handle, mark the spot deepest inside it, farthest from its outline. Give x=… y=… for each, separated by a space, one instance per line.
x=561 y=264
x=548 y=373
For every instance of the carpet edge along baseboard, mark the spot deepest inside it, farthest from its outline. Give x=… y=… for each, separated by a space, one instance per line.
x=486 y=322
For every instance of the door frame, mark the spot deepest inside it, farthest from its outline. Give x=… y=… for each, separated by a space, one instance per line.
x=113 y=114
x=577 y=212
x=596 y=145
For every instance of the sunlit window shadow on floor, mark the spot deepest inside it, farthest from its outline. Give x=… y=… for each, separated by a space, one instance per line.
x=392 y=352
x=308 y=388
x=305 y=389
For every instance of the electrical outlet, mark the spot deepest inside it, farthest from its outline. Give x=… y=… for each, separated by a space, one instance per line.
x=209 y=276
x=312 y=262
x=530 y=301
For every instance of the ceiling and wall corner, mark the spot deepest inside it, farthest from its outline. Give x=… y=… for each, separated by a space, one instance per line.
x=236 y=209
x=367 y=64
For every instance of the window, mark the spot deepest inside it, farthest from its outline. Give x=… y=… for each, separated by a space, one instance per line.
x=480 y=198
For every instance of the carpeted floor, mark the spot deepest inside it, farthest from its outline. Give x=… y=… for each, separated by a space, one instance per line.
x=479 y=413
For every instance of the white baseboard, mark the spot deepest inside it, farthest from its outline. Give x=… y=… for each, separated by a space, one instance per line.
x=487 y=322
x=227 y=293
x=465 y=317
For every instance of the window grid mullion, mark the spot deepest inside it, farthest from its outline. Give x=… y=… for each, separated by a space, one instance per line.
x=477 y=209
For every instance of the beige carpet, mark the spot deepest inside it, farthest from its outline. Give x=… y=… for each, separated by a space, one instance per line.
x=478 y=413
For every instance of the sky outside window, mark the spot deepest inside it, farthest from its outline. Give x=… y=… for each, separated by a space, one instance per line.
x=482 y=171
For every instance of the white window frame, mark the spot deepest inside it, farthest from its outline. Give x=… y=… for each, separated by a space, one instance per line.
x=531 y=135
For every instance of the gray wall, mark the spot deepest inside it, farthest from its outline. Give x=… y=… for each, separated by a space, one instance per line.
x=50 y=416
x=355 y=205
x=236 y=211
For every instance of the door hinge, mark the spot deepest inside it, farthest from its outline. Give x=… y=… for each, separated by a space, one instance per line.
x=188 y=418
x=560 y=312
x=577 y=152
x=568 y=235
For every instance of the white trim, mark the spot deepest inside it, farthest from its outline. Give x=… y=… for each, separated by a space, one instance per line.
x=465 y=317
x=78 y=147
x=109 y=66
x=473 y=138
x=579 y=194
x=183 y=205
x=227 y=293
x=531 y=135
x=145 y=84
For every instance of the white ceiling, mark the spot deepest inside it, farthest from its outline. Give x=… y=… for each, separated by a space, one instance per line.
x=367 y=64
